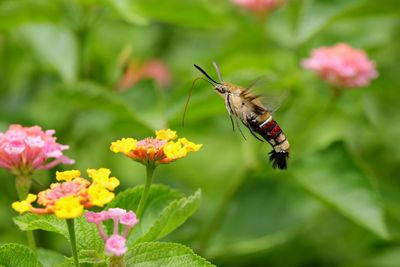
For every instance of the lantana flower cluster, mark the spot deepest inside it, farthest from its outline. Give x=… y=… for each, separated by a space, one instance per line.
x=160 y=150
x=68 y=198
x=115 y=245
x=342 y=66
x=24 y=149
x=258 y=6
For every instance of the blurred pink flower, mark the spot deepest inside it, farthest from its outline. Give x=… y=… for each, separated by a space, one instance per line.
x=24 y=149
x=342 y=66
x=259 y=6
x=154 y=69
x=116 y=245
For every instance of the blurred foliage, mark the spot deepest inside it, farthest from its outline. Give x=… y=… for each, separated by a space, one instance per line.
x=336 y=205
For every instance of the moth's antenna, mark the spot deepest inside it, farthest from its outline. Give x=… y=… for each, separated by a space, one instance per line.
x=218 y=71
x=205 y=74
x=190 y=94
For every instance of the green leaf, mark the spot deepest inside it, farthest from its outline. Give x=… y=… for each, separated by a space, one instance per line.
x=86 y=233
x=86 y=96
x=333 y=177
x=55 y=46
x=264 y=199
x=50 y=258
x=317 y=15
x=92 y=257
x=187 y=13
x=129 y=11
x=389 y=257
x=48 y=223
x=15 y=255
x=166 y=209
x=163 y=254
x=173 y=216
x=15 y=13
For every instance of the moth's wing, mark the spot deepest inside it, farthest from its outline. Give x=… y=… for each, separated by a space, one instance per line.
x=268 y=96
x=273 y=102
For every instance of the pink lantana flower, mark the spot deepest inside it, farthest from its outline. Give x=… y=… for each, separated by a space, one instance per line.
x=258 y=6
x=115 y=245
x=25 y=149
x=342 y=66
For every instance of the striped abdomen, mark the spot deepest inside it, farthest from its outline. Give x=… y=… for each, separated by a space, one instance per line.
x=273 y=134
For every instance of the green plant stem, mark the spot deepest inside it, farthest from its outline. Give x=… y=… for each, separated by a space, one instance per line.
x=149 y=176
x=71 y=232
x=116 y=261
x=23 y=184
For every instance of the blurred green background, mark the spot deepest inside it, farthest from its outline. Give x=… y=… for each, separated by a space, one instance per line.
x=338 y=204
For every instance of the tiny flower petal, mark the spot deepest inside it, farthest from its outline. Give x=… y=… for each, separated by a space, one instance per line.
x=129 y=219
x=116 y=213
x=101 y=177
x=96 y=217
x=174 y=150
x=67 y=175
x=99 y=174
x=68 y=207
x=116 y=245
x=99 y=196
x=35 y=142
x=125 y=145
x=166 y=135
x=190 y=146
x=24 y=205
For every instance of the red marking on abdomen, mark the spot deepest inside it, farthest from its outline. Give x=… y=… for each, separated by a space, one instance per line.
x=270 y=130
x=269 y=126
x=274 y=133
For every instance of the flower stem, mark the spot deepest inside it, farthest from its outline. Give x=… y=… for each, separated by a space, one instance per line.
x=71 y=231
x=149 y=176
x=117 y=261
x=23 y=185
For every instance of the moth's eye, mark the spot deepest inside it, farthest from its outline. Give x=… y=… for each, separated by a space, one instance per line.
x=220 y=89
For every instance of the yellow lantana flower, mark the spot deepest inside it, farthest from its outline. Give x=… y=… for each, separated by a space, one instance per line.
x=68 y=207
x=189 y=146
x=99 y=195
x=166 y=135
x=154 y=151
x=24 y=205
x=101 y=177
x=125 y=145
x=174 y=150
x=67 y=175
x=67 y=199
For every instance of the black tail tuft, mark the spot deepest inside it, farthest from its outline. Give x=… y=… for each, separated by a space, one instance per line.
x=279 y=159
